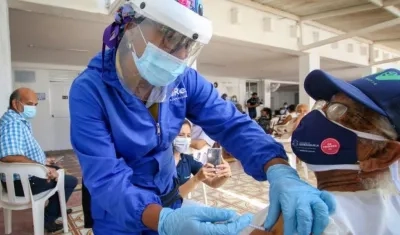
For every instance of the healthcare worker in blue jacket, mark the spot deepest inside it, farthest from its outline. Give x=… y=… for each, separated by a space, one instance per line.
x=128 y=106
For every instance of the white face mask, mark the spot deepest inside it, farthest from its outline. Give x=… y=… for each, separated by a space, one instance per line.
x=182 y=144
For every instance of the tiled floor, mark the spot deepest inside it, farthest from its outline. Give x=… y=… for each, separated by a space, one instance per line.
x=241 y=193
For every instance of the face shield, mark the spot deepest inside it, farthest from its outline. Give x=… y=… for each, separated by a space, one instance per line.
x=157 y=46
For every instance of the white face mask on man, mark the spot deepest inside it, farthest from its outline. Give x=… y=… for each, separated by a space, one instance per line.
x=182 y=144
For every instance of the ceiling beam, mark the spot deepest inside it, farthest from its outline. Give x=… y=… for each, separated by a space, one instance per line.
x=393 y=40
x=388 y=6
x=387 y=3
x=263 y=1
x=265 y=8
x=339 y=12
x=60 y=12
x=373 y=28
x=380 y=62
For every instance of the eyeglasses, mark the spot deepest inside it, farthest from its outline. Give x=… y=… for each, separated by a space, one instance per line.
x=334 y=111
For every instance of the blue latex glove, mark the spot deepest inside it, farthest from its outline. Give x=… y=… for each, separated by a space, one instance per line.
x=305 y=209
x=200 y=221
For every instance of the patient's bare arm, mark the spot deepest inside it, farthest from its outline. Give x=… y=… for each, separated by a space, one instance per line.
x=276 y=230
x=16 y=159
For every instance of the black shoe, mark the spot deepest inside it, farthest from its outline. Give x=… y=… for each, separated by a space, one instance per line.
x=53 y=227
x=69 y=211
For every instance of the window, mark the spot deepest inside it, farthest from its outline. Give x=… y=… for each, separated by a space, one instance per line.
x=252 y=87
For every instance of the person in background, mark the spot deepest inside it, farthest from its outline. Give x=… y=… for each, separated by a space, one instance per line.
x=213 y=176
x=234 y=99
x=239 y=107
x=224 y=96
x=357 y=125
x=18 y=145
x=265 y=119
x=285 y=105
x=301 y=110
x=291 y=115
x=252 y=104
x=283 y=110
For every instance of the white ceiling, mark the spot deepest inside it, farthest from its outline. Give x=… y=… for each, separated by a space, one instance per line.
x=68 y=41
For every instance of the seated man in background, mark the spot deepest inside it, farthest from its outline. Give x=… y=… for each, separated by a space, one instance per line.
x=18 y=145
x=350 y=140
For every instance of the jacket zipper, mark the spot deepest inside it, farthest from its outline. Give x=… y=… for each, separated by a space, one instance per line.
x=158 y=126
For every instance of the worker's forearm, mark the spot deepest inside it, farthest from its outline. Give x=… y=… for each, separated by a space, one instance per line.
x=17 y=159
x=151 y=216
x=275 y=161
x=188 y=187
x=218 y=182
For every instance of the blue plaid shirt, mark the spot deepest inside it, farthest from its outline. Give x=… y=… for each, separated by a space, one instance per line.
x=16 y=138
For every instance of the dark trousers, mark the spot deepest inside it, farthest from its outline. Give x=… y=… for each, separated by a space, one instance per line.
x=86 y=206
x=252 y=114
x=39 y=185
x=168 y=200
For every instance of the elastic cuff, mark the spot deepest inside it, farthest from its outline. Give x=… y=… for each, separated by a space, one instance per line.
x=154 y=200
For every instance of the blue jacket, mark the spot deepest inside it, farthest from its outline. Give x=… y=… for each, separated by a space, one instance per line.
x=126 y=162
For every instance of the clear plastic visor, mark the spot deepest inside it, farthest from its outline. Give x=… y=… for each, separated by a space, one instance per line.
x=150 y=58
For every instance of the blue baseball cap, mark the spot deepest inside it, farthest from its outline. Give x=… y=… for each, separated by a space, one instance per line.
x=379 y=92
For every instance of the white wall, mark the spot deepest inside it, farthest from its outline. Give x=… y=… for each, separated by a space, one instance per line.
x=5 y=57
x=280 y=97
x=230 y=86
x=51 y=133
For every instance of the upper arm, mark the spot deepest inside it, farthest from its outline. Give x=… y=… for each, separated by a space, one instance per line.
x=206 y=138
x=195 y=166
x=287 y=119
x=12 y=139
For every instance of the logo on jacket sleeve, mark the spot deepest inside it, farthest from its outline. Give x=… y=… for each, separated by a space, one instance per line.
x=178 y=93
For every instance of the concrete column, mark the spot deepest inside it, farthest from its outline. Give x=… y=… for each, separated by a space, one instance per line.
x=194 y=65
x=307 y=63
x=370 y=70
x=5 y=57
x=266 y=93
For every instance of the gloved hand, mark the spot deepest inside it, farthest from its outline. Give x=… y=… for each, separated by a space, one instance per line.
x=200 y=221
x=305 y=209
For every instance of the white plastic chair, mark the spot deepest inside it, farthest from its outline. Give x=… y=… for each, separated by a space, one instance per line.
x=9 y=201
x=204 y=194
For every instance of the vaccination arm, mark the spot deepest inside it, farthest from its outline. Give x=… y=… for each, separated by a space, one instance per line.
x=305 y=209
x=107 y=178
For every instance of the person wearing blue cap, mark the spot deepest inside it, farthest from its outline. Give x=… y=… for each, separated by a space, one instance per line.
x=128 y=106
x=351 y=140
